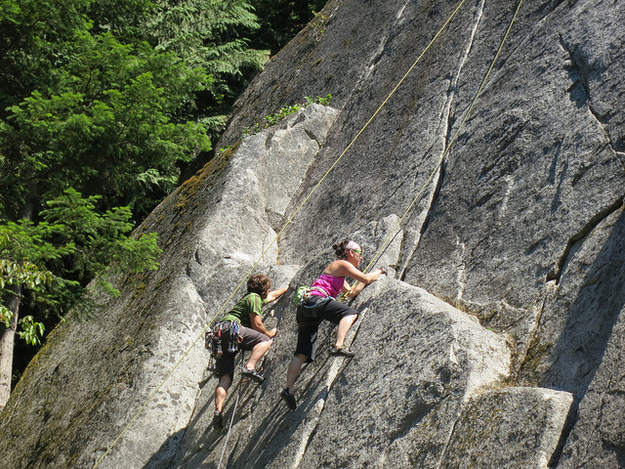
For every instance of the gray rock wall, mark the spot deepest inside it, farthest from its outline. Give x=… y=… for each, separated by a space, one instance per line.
x=133 y=369
x=495 y=341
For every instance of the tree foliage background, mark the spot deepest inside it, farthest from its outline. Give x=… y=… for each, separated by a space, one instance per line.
x=103 y=103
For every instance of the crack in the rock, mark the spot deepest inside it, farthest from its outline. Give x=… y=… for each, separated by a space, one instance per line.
x=579 y=72
x=435 y=194
x=549 y=290
x=313 y=137
x=600 y=120
x=333 y=373
x=556 y=272
x=375 y=58
x=446 y=122
x=461 y=270
x=379 y=52
x=445 y=115
x=448 y=441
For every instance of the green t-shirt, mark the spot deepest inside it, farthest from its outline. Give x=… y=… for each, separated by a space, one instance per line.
x=251 y=303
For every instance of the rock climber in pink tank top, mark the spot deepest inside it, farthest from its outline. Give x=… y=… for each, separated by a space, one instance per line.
x=321 y=304
x=327 y=285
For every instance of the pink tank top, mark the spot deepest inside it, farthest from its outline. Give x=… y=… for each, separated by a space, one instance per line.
x=328 y=283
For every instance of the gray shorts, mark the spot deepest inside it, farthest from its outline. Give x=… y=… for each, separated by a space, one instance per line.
x=250 y=338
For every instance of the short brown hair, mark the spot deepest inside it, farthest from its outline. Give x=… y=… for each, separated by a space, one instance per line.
x=259 y=283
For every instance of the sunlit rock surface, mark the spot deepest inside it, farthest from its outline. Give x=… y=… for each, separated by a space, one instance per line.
x=498 y=213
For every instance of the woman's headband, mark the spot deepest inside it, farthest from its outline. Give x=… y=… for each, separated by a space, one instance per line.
x=352 y=245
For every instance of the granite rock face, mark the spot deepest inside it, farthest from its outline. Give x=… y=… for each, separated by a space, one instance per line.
x=492 y=190
x=106 y=367
x=491 y=422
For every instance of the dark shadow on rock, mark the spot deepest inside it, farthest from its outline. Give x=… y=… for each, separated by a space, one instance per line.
x=582 y=343
x=163 y=457
x=278 y=425
x=580 y=349
x=168 y=454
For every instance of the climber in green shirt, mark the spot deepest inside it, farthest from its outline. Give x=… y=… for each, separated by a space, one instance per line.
x=245 y=324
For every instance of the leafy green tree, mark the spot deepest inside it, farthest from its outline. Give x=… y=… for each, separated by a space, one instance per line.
x=79 y=110
x=281 y=20
x=35 y=34
x=13 y=276
x=180 y=63
x=125 y=19
x=34 y=260
x=108 y=98
x=211 y=34
x=109 y=129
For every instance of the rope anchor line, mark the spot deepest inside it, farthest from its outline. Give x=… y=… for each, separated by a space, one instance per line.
x=446 y=151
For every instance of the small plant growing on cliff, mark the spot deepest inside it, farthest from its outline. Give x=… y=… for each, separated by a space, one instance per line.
x=284 y=111
x=319 y=26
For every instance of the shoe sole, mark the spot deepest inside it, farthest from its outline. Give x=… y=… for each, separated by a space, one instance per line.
x=256 y=379
x=290 y=404
x=218 y=423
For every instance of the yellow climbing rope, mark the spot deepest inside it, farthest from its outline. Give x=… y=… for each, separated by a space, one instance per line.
x=442 y=158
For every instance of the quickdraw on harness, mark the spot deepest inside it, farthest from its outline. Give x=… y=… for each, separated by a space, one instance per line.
x=307 y=310
x=302 y=294
x=224 y=338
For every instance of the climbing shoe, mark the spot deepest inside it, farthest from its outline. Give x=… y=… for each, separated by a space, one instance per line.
x=342 y=351
x=253 y=375
x=218 y=420
x=289 y=399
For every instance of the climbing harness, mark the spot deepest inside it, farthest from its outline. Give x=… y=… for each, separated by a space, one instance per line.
x=301 y=205
x=224 y=336
x=303 y=292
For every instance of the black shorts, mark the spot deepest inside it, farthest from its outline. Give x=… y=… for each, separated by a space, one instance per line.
x=225 y=364
x=310 y=314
